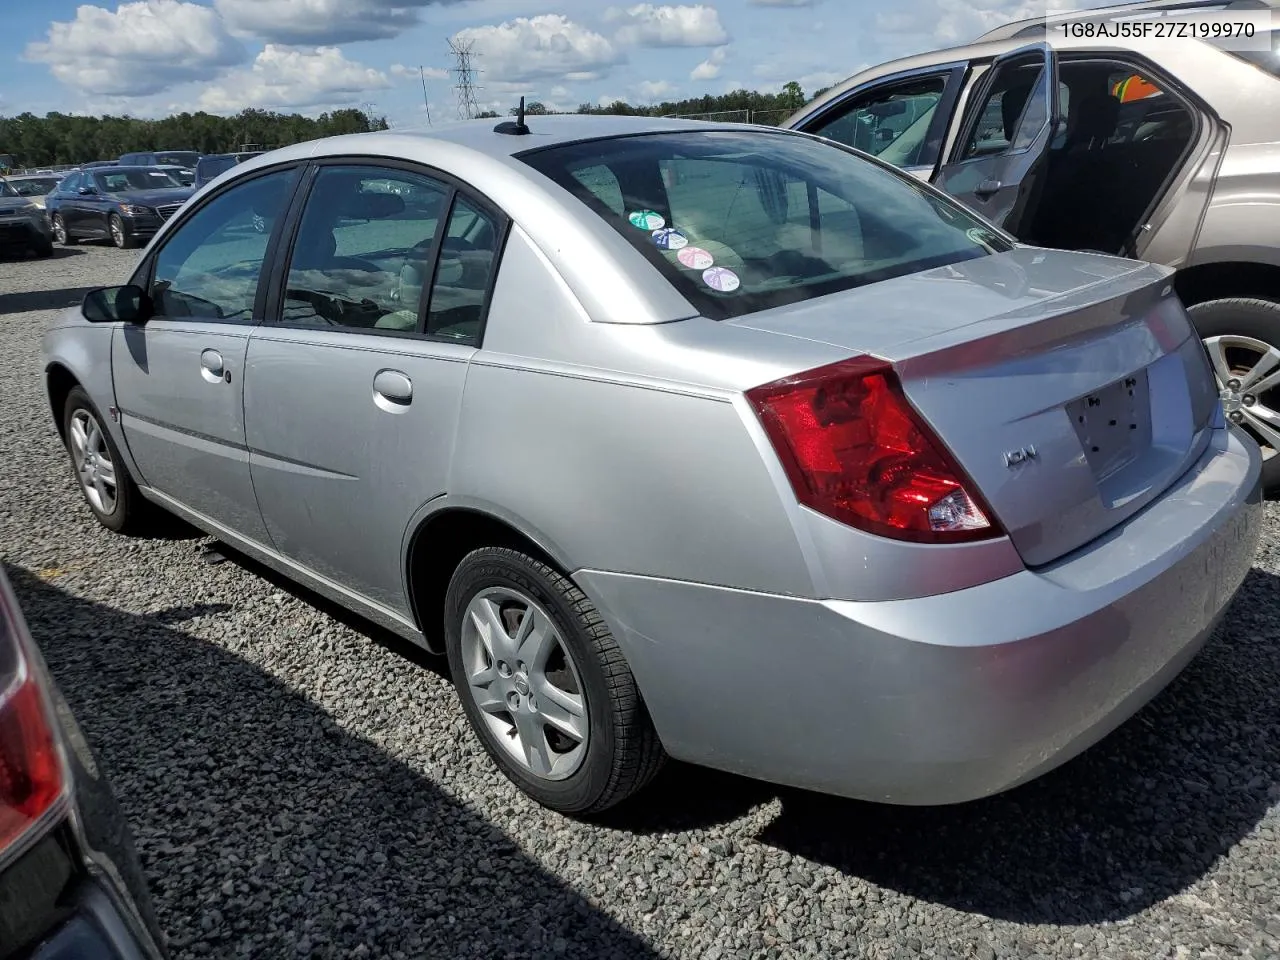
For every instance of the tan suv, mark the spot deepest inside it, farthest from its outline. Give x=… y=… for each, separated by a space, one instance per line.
x=1163 y=150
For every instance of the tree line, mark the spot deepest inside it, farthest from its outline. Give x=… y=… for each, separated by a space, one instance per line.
x=766 y=108
x=60 y=138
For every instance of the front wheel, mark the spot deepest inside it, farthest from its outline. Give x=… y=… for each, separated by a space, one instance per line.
x=544 y=684
x=60 y=231
x=121 y=239
x=1242 y=338
x=103 y=478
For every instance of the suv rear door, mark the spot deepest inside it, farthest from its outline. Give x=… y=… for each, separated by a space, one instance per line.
x=999 y=156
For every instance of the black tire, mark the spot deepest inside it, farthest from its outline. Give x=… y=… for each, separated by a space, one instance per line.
x=42 y=248
x=622 y=752
x=1259 y=320
x=60 y=231
x=131 y=513
x=119 y=236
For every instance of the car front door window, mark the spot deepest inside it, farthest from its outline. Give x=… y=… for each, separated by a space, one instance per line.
x=210 y=267
x=891 y=121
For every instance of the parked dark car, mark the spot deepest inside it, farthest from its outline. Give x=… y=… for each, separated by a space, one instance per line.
x=125 y=205
x=70 y=882
x=24 y=226
x=212 y=166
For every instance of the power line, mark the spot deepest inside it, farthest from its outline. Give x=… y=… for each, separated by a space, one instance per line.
x=426 y=104
x=465 y=71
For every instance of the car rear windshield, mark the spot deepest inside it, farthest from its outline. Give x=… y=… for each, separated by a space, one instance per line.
x=34 y=186
x=741 y=221
x=140 y=178
x=180 y=158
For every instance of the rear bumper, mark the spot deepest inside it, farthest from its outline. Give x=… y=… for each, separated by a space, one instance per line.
x=23 y=234
x=95 y=930
x=951 y=697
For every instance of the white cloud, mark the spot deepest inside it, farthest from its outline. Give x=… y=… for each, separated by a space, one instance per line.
x=709 y=68
x=647 y=25
x=404 y=72
x=783 y=3
x=140 y=49
x=322 y=21
x=550 y=45
x=952 y=22
x=653 y=90
x=285 y=77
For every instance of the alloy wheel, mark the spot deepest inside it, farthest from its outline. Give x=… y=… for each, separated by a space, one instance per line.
x=92 y=458
x=522 y=676
x=1248 y=374
x=59 y=230
x=117 y=232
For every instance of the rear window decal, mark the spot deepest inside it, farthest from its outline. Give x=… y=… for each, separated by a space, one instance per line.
x=722 y=279
x=647 y=220
x=695 y=258
x=670 y=238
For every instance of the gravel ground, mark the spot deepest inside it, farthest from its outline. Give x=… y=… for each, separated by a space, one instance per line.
x=302 y=785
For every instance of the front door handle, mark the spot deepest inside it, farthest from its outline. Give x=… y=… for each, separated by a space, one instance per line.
x=394 y=386
x=986 y=188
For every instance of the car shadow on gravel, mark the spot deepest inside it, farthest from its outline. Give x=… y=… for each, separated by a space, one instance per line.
x=267 y=830
x=41 y=299
x=1131 y=822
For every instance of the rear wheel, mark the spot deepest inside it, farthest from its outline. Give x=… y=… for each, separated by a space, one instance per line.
x=43 y=247
x=544 y=684
x=1242 y=337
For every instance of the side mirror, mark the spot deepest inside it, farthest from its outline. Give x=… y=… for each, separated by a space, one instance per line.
x=127 y=304
x=87 y=191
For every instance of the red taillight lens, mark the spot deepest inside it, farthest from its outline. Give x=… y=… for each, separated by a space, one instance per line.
x=31 y=771
x=855 y=450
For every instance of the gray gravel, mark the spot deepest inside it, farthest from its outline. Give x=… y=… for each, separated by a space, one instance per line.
x=302 y=785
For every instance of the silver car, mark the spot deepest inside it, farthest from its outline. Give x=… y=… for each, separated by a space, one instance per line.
x=679 y=439
x=1163 y=149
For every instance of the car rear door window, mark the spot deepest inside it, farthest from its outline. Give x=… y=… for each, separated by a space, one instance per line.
x=364 y=250
x=210 y=266
x=463 y=274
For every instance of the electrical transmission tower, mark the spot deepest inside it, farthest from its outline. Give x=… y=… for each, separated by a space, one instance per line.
x=465 y=72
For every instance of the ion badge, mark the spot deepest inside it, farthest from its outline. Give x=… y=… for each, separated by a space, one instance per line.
x=647 y=220
x=722 y=279
x=695 y=258
x=670 y=239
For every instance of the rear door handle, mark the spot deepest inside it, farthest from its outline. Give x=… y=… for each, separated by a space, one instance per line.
x=986 y=188
x=212 y=368
x=394 y=386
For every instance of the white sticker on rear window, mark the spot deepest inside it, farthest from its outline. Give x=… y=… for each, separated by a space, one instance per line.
x=695 y=258
x=670 y=239
x=722 y=279
x=647 y=220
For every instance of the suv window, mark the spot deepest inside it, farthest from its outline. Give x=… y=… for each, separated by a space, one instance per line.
x=211 y=265
x=742 y=221
x=71 y=184
x=891 y=122
x=364 y=250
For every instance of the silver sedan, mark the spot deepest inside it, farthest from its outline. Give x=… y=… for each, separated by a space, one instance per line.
x=678 y=439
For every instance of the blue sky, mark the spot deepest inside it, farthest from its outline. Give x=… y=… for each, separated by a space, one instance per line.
x=153 y=57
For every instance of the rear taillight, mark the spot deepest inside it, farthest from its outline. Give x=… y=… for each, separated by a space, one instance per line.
x=855 y=450
x=32 y=777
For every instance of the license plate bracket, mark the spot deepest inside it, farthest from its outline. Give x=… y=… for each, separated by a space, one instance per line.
x=1113 y=423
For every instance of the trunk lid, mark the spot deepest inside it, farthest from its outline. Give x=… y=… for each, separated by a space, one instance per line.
x=1070 y=387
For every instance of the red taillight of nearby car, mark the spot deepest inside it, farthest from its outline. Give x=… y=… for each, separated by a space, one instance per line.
x=32 y=777
x=855 y=450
